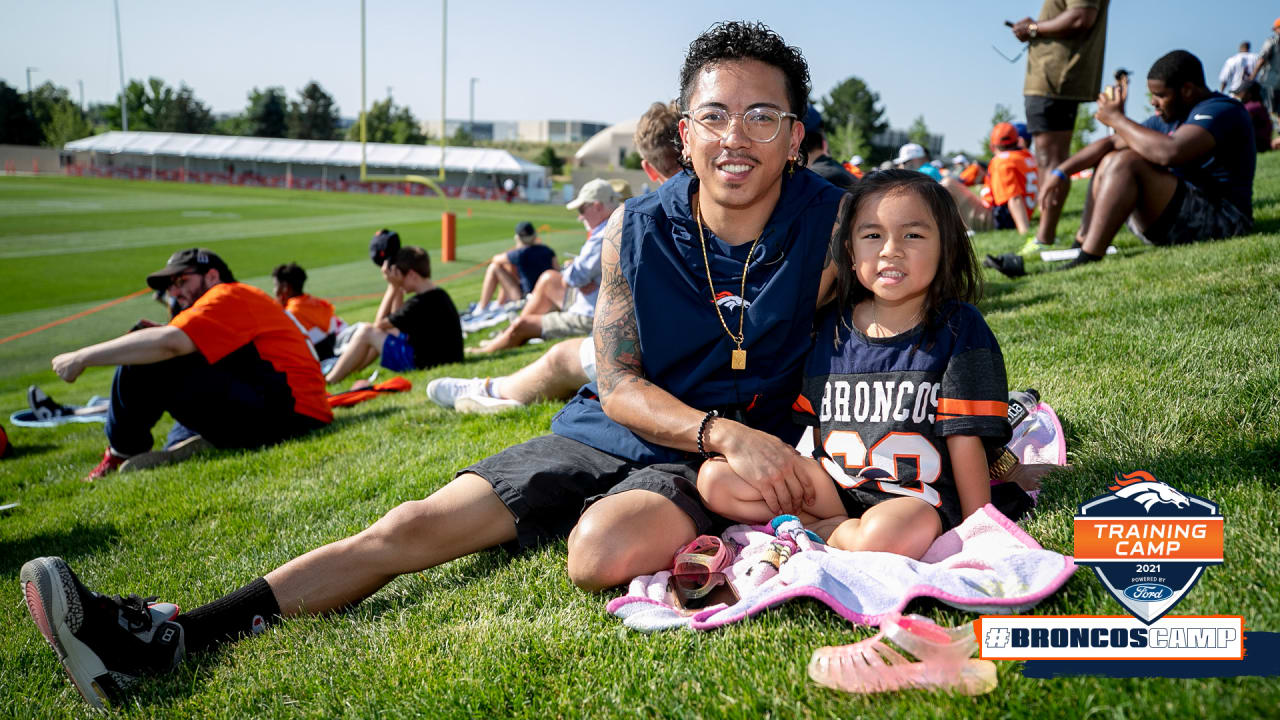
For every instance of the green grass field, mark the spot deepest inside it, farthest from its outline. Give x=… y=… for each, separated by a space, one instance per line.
x=1162 y=359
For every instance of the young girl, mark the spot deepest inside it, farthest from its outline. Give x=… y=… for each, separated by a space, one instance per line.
x=905 y=388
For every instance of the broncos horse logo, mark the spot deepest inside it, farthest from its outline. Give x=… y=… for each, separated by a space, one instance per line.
x=729 y=301
x=1143 y=488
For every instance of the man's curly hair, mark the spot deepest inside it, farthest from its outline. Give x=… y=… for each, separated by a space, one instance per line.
x=747 y=41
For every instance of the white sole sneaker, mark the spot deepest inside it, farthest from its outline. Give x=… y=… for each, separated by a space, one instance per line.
x=483 y=404
x=55 y=607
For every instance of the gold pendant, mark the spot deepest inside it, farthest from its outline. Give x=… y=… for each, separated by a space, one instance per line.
x=738 y=359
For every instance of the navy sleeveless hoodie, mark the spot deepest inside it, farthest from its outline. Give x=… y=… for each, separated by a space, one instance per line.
x=684 y=348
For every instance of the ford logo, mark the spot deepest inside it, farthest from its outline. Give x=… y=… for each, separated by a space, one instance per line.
x=1148 y=592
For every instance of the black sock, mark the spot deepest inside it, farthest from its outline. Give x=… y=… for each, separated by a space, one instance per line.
x=1076 y=245
x=246 y=611
x=1082 y=258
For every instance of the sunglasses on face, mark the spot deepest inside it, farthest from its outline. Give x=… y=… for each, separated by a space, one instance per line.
x=180 y=278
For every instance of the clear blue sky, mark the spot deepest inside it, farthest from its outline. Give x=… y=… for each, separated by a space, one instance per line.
x=582 y=60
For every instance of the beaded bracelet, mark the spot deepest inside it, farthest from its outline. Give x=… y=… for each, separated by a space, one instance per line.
x=702 y=429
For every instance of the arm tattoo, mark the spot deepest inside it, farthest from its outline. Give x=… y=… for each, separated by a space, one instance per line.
x=617 y=338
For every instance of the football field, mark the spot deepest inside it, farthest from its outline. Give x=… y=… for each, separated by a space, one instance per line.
x=1161 y=359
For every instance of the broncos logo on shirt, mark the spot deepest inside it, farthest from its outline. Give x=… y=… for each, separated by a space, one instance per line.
x=729 y=301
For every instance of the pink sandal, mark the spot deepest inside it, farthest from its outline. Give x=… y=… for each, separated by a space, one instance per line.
x=871 y=666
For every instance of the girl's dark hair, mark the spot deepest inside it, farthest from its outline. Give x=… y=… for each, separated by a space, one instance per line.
x=728 y=41
x=957 y=278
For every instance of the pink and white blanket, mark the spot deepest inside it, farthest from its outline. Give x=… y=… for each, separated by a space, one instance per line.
x=986 y=565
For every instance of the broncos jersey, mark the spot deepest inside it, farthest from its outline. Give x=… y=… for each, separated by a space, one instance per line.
x=884 y=406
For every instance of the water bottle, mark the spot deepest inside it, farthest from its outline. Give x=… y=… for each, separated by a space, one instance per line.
x=1021 y=405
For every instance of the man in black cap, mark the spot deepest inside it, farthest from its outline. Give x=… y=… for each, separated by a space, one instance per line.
x=232 y=366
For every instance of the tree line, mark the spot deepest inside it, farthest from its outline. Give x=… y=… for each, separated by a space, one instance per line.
x=48 y=116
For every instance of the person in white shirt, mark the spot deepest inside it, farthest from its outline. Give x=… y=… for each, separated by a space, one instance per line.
x=1237 y=69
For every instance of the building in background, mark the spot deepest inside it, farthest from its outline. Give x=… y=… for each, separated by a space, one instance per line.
x=539 y=131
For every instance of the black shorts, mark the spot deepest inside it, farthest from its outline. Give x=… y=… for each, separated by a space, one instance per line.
x=548 y=481
x=1047 y=114
x=1192 y=215
x=1002 y=219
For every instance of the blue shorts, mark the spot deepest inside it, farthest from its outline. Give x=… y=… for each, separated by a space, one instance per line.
x=397 y=353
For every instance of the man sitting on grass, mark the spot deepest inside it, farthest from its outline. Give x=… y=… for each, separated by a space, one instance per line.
x=421 y=332
x=232 y=367
x=315 y=315
x=562 y=304
x=627 y=450
x=513 y=274
x=1184 y=174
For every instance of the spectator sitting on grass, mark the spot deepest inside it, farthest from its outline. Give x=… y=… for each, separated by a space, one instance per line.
x=1011 y=180
x=513 y=273
x=315 y=315
x=625 y=450
x=231 y=367
x=913 y=156
x=417 y=333
x=570 y=364
x=563 y=303
x=1251 y=95
x=815 y=148
x=1182 y=175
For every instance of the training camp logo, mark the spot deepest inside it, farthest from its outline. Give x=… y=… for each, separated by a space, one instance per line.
x=729 y=301
x=1148 y=542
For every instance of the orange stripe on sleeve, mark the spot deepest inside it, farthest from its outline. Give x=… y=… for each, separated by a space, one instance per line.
x=802 y=405
x=951 y=406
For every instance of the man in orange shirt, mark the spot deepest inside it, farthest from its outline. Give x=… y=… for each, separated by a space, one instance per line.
x=315 y=315
x=1009 y=195
x=232 y=367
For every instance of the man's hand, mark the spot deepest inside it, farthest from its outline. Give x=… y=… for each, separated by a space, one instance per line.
x=784 y=478
x=1022 y=29
x=1049 y=192
x=1111 y=109
x=68 y=366
x=392 y=274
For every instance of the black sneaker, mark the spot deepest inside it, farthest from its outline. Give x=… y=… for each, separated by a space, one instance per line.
x=1011 y=265
x=44 y=407
x=104 y=643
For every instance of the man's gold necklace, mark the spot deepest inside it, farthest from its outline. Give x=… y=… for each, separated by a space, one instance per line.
x=738 y=357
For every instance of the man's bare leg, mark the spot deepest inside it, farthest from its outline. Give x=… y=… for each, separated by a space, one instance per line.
x=554 y=376
x=1126 y=183
x=976 y=216
x=1051 y=149
x=636 y=532
x=459 y=519
x=363 y=349
x=520 y=331
x=547 y=294
x=499 y=276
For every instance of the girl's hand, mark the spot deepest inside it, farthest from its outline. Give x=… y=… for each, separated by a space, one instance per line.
x=784 y=478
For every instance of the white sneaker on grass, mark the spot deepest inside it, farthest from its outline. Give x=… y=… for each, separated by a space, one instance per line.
x=483 y=404
x=445 y=391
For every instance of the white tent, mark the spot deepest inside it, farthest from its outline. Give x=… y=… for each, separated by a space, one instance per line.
x=325 y=154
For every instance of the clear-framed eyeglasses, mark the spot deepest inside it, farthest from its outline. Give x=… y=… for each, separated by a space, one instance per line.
x=760 y=124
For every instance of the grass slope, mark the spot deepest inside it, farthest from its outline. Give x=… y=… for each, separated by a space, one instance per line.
x=1161 y=359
